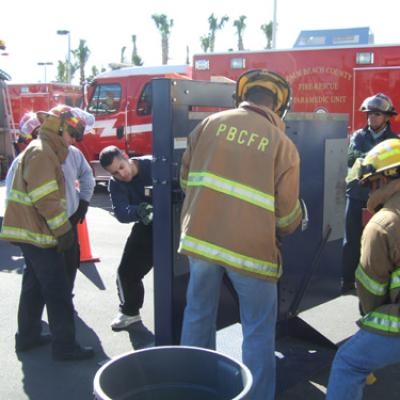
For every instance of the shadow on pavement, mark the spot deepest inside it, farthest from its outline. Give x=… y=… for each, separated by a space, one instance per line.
x=44 y=378
x=90 y=271
x=140 y=336
x=11 y=258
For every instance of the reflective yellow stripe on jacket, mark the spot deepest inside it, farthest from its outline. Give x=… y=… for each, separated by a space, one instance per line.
x=43 y=190
x=232 y=188
x=233 y=259
x=13 y=233
x=283 y=222
x=383 y=322
x=373 y=286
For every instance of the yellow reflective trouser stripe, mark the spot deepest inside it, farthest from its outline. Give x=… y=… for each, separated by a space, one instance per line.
x=57 y=221
x=232 y=188
x=376 y=288
x=231 y=258
x=395 y=279
x=43 y=190
x=13 y=233
x=382 y=322
x=290 y=218
x=19 y=197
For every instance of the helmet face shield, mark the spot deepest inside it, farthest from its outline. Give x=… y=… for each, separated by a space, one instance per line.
x=78 y=121
x=268 y=80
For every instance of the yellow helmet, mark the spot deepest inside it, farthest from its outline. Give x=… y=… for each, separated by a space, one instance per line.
x=383 y=159
x=268 y=80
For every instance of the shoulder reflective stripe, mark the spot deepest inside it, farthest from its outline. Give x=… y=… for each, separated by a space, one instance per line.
x=374 y=287
x=383 y=322
x=19 y=197
x=57 y=221
x=232 y=188
x=43 y=190
x=13 y=233
x=395 y=279
x=288 y=219
x=236 y=260
x=183 y=183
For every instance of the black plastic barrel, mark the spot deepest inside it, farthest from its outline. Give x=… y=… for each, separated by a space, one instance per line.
x=173 y=373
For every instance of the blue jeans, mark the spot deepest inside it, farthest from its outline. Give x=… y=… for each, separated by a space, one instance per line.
x=362 y=354
x=258 y=313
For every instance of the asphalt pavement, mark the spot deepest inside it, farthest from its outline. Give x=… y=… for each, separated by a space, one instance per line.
x=35 y=376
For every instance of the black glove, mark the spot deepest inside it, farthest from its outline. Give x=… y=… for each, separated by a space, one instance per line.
x=145 y=213
x=79 y=215
x=65 y=241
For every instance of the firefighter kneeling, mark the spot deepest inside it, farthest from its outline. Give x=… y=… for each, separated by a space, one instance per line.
x=377 y=343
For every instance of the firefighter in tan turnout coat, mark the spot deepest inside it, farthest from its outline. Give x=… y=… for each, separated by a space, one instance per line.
x=240 y=173
x=377 y=343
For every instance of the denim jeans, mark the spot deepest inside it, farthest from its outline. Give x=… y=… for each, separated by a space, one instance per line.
x=362 y=354
x=258 y=313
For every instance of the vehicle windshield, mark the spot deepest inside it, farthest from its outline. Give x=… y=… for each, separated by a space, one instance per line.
x=106 y=99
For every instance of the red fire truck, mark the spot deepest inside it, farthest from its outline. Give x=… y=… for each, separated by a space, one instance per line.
x=38 y=97
x=328 y=79
x=121 y=102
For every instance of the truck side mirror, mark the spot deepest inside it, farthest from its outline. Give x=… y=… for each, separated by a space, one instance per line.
x=120 y=132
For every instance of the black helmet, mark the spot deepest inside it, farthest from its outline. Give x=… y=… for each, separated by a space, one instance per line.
x=378 y=102
x=268 y=80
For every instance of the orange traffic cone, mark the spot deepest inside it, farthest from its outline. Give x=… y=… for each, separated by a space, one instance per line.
x=84 y=243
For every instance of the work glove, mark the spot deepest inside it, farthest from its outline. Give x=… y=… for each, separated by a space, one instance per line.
x=145 y=213
x=65 y=241
x=79 y=215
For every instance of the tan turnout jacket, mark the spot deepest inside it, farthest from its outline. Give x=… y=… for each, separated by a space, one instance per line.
x=36 y=207
x=240 y=173
x=378 y=273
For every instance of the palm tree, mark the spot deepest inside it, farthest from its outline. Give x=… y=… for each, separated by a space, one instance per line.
x=205 y=43
x=61 y=71
x=240 y=26
x=268 y=29
x=136 y=60
x=163 y=25
x=93 y=74
x=214 y=27
x=81 y=54
x=122 y=57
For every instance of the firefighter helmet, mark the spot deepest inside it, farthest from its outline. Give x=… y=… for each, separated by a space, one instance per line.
x=81 y=121
x=28 y=124
x=378 y=102
x=268 y=80
x=383 y=159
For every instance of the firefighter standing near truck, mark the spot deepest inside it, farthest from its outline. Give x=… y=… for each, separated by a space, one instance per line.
x=240 y=173
x=36 y=220
x=379 y=109
x=377 y=343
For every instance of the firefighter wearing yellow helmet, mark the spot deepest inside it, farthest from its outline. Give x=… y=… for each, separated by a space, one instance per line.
x=258 y=80
x=377 y=343
x=240 y=173
x=378 y=111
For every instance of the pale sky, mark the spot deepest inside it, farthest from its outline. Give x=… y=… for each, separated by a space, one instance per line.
x=29 y=28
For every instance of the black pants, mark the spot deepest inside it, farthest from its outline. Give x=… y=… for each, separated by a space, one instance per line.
x=352 y=238
x=45 y=282
x=72 y=259
x=136 y=262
